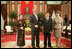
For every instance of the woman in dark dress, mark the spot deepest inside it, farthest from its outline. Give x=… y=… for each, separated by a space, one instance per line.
x=21 y=32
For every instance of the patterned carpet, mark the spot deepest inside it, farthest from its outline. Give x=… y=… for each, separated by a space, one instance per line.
x=9 y=41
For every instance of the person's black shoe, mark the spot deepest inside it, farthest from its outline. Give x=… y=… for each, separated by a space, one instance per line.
x=38 y=46
x=33 y=46
x=44 y=47
x=50 y=46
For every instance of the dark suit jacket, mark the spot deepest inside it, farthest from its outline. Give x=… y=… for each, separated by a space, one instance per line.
x=34 y=22
x=47 y=25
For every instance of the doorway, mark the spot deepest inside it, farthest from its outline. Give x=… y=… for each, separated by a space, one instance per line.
x=4 y=13
x=52 y=7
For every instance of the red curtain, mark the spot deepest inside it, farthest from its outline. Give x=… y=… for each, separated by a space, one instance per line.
x=23 y=5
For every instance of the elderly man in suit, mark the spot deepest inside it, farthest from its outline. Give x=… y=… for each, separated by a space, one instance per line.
x=48 y=27
x=35 y=28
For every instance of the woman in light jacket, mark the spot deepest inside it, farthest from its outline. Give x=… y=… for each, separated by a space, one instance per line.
x=58 y=28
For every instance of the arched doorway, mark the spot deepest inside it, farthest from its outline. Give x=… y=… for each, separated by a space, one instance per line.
x=55 y=7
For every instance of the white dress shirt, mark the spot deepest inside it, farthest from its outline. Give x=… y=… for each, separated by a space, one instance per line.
x=47 y=18
x=36 y=17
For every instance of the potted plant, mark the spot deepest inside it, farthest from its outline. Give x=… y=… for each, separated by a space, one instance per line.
x=12 y=24
x=41 y=16
x=13 y=16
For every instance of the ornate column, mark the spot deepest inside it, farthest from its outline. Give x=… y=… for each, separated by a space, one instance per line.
x=8 y=13
x=69 y=14
x=63 y=9
x=38 y=6
x=43 y=6
x=13 y=3
x=10 y=9
x=35 y=4
x=16 y=7
x=19 y=8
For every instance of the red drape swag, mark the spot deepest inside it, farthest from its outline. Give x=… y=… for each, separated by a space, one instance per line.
x=24 y=5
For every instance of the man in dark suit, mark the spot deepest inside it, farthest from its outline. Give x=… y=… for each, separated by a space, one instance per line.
x=34 y=21
x=48 y=26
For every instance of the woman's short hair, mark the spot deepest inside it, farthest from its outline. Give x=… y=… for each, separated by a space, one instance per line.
x=58 y=12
